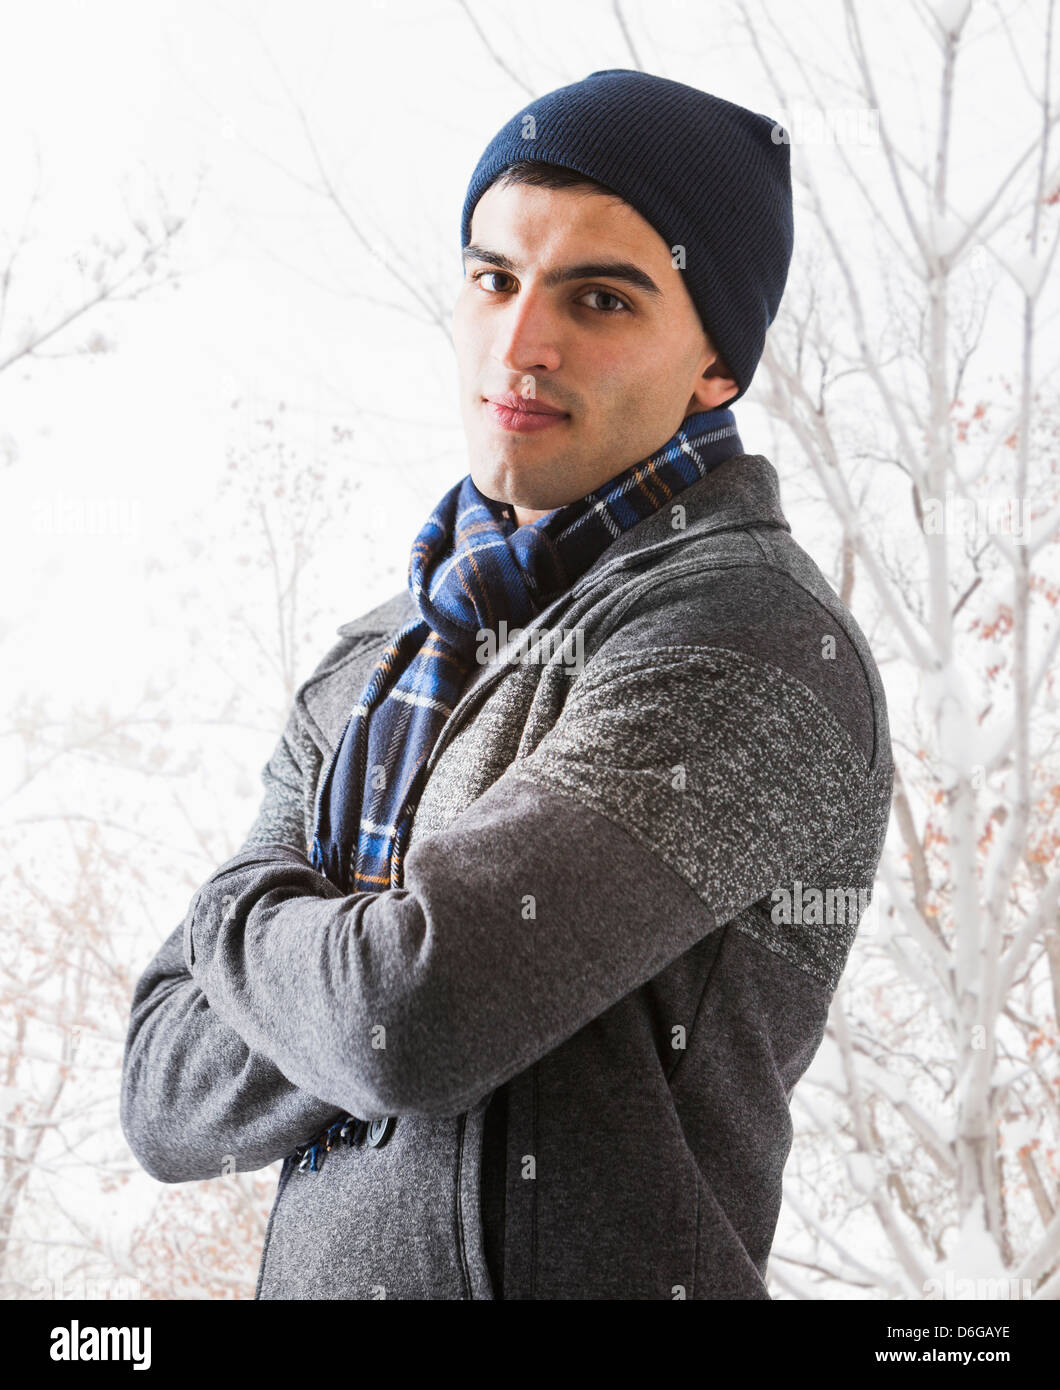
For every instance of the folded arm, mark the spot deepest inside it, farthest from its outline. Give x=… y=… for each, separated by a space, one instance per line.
x=679 y=786
x=196 y=1100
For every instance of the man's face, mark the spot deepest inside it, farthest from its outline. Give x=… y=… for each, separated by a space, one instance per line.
x=571 y=300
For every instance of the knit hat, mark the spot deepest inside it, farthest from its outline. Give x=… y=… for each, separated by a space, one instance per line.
x=711 y=177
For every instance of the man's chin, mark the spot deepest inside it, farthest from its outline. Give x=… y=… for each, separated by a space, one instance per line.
x=516 y=483
x=499 y=482
x=493 y=487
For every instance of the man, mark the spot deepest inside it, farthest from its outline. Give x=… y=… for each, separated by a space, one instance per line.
x=564 y=847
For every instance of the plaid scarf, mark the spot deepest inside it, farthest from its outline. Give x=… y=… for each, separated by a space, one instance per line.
x=471 y=568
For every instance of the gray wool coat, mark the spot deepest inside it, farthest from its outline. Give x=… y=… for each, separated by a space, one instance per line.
x=633 y=881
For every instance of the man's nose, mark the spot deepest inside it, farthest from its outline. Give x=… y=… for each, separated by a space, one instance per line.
x=527 y=335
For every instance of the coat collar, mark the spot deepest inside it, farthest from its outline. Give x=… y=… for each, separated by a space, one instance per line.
x=743 y=491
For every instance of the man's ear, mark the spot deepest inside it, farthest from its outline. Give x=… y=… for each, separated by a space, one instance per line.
x=716 y=386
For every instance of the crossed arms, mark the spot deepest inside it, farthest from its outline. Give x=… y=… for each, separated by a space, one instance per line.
x=582 y=872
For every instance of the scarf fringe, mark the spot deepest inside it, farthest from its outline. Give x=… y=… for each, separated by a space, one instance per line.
x=348 y=1130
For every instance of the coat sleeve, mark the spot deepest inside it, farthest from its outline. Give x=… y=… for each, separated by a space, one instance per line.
x=679 y=786
x=196 y=1100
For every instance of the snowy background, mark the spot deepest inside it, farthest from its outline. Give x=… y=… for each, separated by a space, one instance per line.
x=229 y=249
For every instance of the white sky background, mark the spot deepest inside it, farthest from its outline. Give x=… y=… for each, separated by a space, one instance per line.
x=120 y=98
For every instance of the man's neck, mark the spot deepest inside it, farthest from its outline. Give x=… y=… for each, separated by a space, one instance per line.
x=523 y=516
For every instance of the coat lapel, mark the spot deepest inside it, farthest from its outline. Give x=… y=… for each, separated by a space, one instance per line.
x=743 y=491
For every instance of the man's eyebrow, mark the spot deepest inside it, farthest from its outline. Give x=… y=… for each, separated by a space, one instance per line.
x=587 y=270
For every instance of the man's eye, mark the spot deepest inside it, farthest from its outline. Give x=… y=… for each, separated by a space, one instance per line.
x=616 y=305
x=491 y=274
x=613 y=304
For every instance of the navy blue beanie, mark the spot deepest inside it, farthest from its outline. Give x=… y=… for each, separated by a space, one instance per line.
x=710 y=176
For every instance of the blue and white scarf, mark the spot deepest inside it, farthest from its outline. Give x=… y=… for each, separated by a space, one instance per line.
x=471 y=567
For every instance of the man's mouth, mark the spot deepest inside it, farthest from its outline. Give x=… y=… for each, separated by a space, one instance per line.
x=523 y=414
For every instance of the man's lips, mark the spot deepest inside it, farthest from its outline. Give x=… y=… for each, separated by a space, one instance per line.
x=523 y=414
x=530 y=404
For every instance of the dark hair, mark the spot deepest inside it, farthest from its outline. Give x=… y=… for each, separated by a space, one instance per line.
x=542 y=175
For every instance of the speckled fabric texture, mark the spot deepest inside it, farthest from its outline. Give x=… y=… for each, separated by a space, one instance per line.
x=592 y=1011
